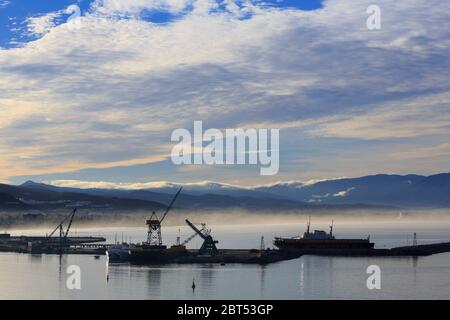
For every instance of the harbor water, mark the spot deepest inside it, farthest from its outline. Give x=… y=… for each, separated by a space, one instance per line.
x=24 y=276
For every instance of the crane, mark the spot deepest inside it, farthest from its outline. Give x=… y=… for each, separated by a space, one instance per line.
x=154 y=224
x=60 y=226
x=63 y=234
x=209 y=244
x=202 y=230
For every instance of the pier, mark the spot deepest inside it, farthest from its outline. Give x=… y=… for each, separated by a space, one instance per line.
x=55 y=242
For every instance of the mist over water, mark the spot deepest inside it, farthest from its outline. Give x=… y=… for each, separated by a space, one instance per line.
x=95 y=219
x=309 y=277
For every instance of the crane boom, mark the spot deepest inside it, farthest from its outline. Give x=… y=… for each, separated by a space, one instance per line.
x=190 y=224
x=170 y=205
x=57 y=227
x=194 y=235
x=209 y=244
x=189 y=239
x=70 y=222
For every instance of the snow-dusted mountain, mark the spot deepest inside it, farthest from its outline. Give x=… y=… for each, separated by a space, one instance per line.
x=380 y=190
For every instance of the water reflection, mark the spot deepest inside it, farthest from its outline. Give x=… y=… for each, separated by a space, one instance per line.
x=206 y=276
x=302 y=279
x=107 y=268
x=332 y=277
x=262 y=277
x=415 y=261
x=35 y=258
x=154 y=282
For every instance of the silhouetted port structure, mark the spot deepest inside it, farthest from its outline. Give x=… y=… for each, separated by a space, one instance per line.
x=209 y=244
x=154 y=238
x=53 y=243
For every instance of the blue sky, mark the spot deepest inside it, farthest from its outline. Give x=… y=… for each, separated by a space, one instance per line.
x=14 y=15
x=97 y=101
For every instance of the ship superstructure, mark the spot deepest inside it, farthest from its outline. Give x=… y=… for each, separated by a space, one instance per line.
x=320 y=239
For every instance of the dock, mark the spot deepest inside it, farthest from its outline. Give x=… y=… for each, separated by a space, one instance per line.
x=223 y=256
x=53 y=243
x=33 y=244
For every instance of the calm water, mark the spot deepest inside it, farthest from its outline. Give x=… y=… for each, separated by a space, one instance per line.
x=309 y=277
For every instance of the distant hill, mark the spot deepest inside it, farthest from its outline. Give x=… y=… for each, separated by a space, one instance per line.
x=411 y=191
x=375 y=191
x=408 y=191
x=44 y=197
x=9 y=202
x=187 y=200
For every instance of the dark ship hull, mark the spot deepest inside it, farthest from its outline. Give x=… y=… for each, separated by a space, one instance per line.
x=293 y=243
x=326 y=247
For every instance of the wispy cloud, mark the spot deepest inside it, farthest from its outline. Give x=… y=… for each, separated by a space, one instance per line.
x=4 y=3
x=111 y=92
x=203 y=185
x=42 y=24
x=428 y=114
x=139 y=186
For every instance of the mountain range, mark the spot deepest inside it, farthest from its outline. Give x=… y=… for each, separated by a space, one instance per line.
x=375 y=191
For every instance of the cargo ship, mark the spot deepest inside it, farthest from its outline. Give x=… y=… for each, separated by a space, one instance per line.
x=321 y=241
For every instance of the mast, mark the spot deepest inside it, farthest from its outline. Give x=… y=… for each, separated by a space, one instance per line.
x=331 y=228
x=307 y=225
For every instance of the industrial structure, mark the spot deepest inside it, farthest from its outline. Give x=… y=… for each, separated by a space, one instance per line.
x=57 y=242
x=154 y=238
x=209 y=244
x=62 y=239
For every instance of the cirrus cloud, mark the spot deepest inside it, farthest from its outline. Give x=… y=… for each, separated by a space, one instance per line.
x=111 y=91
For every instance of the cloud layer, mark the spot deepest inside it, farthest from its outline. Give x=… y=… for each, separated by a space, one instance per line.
x=109 y=90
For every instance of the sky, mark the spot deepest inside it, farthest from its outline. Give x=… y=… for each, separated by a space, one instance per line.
x=97 y=98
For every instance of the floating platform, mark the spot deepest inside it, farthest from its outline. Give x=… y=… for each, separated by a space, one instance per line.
x=252 y=256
